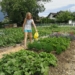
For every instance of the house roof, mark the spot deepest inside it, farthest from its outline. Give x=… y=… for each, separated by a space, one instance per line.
x=54 y=14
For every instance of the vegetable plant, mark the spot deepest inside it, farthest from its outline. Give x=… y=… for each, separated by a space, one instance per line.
x=50 y=44
x=27 y=63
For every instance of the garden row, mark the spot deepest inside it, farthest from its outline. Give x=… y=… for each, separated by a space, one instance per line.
x=50 y=44
x=14 y=36
x=27 y=63
x=11 y=36
x=36 y=61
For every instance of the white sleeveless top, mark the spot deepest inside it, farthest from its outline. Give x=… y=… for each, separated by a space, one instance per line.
x=28 y=24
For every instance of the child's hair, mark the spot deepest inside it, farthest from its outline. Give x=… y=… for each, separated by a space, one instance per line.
x=28 y=13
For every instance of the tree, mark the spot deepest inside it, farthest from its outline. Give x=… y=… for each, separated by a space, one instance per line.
x=73 y=14
x=16 y=9
x=64 y=16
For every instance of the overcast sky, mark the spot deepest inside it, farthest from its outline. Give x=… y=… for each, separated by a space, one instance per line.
x=57 y=5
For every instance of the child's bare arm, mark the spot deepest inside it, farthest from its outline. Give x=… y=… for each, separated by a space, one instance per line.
x=24 y=23
x=34 y=25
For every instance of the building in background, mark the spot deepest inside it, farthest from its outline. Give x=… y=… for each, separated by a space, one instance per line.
x=53 y=15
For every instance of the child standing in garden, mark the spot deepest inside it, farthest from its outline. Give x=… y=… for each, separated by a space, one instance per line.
x=27 y=28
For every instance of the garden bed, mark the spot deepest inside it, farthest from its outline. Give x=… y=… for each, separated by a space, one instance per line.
x=13 y=36
x=65 y=64
x=52 y=44
x=27 y=63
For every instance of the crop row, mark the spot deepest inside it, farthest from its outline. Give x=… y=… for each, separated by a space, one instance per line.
x=14 y=36
x=50 y=44
x=27 y=63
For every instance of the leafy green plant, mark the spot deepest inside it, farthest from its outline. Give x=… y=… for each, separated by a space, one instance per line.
x=48 y=45
x=27 y=63
x=11 y=36
x=54 y=26
x=14 y=36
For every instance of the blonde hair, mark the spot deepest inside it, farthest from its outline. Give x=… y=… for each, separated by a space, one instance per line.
x=28 y=13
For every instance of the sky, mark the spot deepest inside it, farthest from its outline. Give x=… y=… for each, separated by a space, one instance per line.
x=58 y=5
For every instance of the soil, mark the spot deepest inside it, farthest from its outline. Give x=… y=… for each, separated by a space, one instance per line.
x=11 y=49
x=66 y=60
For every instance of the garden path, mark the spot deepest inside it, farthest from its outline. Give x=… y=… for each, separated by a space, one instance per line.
x=9 y=50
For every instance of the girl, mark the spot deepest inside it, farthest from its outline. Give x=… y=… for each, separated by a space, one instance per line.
x=27 y=28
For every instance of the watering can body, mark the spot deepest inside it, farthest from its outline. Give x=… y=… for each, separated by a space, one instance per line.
x=36 y=35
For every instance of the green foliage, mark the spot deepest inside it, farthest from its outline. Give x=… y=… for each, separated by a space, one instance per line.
x=16 y=9
x=36 y=45
x=47 y=20
x=54 y=26
x=50 y=44
x=73 y=14
x=11 y=36
x=1 y=25
x=44 y=0
x=27 y=63
x=64 y=17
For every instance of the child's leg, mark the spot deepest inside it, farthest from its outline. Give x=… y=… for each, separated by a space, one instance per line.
x=30 y=36
x=25 y=39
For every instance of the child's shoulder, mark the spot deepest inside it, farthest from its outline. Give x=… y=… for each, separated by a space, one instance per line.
x=32 y=20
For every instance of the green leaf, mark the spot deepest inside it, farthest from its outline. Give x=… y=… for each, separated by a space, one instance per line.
x=2 y=73
x=17 y=73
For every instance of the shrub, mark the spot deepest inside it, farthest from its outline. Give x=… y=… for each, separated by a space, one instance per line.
x=47 y=20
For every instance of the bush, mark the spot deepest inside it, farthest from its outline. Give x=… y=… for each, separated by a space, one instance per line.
x=47 y=20
x=27 y=63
